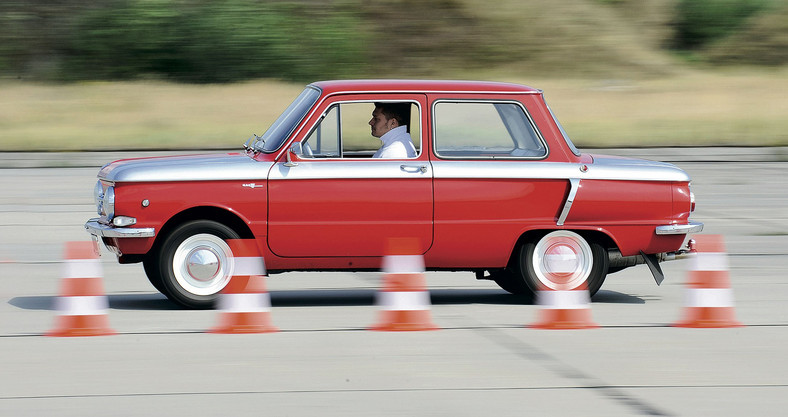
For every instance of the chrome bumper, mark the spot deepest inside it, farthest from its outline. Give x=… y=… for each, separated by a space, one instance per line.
x=679 y=229
x=102 y=230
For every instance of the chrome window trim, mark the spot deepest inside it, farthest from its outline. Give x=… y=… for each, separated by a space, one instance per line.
x=469 y=100
x=370 y=101
x=331 y=95
x=574 y=185
x=300 y=121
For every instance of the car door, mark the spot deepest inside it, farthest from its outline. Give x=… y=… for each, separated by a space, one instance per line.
x=490 y=180
x=334 y=200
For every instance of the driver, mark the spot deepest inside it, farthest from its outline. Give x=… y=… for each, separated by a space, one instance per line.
x=390 y=123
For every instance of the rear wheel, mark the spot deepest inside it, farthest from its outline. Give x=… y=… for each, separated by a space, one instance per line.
x=563 y=260
x=194 y=262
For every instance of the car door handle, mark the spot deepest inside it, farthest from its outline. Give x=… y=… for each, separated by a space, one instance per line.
x=414 y=168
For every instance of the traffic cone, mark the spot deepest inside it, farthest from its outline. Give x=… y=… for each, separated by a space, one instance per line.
x=82 y=303
x=709 y=297
x=565 y=309
x=244 y=303
x=404 y=300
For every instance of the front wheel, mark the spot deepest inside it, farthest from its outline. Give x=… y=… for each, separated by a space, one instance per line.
x=563 y=260
x=194 y=262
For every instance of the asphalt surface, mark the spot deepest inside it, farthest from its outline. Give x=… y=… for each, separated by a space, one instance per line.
x=325 y=361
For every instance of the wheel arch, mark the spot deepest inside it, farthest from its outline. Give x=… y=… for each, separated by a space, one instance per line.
x=217 y=214
x=531 y=235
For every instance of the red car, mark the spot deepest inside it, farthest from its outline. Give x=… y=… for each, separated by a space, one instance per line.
x=481 y=174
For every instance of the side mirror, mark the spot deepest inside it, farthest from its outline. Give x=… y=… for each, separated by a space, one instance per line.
x=295 y=149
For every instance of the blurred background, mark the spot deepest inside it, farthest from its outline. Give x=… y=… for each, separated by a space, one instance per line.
x=195 y=74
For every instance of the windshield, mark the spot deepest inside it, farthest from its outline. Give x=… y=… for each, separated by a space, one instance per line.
x=273 y=138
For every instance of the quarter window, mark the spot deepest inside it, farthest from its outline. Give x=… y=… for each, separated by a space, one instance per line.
x=485 y=130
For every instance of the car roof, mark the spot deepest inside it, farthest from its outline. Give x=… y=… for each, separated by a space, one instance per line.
x=422 y=86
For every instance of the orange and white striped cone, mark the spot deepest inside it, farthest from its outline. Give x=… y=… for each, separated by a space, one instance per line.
x=565 y=309
x=709 y=297
x=82 y=304
x=244 y=303
x=404 y=301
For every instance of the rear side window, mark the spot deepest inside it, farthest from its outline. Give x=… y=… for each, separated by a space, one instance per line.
x=473 y=129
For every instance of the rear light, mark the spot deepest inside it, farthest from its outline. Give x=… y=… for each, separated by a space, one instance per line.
x=692 y=201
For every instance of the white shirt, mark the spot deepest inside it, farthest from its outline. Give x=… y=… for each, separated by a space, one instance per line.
x=396 y=144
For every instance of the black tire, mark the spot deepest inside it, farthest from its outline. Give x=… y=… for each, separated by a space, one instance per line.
x=588 y=263
x=510 y=281
x=193 y=262
x=151 y=266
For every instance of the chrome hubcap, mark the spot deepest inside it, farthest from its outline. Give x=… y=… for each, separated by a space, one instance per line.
x=562 y=260
x=202 y=264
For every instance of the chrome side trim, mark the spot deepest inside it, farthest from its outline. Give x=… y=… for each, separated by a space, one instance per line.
x=679 y=229
x=574 y=185
x=102 y=230
x=641 y=171
x=355 y=169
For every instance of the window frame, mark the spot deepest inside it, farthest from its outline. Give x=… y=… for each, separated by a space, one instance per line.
x=492 y=102
x=420 y=149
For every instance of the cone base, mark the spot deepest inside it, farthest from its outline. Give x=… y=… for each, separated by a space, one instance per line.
x=77 y=326
x=244 y=323
x=560 y=319
x=709 y=317
x=399 y=321
x=708 y=324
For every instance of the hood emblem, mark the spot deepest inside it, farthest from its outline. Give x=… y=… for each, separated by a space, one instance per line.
x=253 y=185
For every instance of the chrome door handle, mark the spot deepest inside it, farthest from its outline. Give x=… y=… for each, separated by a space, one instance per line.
x=414 y=168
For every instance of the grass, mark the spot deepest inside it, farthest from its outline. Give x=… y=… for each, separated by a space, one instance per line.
x=690 y=108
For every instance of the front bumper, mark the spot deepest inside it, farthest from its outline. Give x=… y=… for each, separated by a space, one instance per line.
x=679 y=229
x=104 y=230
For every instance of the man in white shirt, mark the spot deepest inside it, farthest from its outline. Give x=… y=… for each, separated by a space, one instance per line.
x=390 y=123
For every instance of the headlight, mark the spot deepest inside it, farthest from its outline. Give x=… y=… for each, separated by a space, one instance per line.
x=98 y=196
x=109 y=202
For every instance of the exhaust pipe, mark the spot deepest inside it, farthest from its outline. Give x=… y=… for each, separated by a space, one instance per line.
x=618 y=262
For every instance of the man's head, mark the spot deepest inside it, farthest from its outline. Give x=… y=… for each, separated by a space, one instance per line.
x=387 y=116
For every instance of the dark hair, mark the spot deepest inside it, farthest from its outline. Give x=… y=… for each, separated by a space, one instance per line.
x=398 y=111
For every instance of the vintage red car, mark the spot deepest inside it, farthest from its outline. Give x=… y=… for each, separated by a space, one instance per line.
x=492 y=185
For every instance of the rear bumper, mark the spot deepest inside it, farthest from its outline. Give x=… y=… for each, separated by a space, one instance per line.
x=679 y=229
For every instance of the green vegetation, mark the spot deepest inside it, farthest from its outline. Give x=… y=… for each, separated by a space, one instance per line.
x=112 y=74
x=700 y=22
x=230 y=40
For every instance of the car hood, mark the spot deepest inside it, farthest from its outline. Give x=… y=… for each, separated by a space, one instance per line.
x=228 y=166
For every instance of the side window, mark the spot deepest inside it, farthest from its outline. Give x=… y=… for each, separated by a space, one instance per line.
x=485 y=130
x=324 y=142
x=345 y=132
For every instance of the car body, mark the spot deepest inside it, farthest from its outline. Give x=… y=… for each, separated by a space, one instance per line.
x=496 y=188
